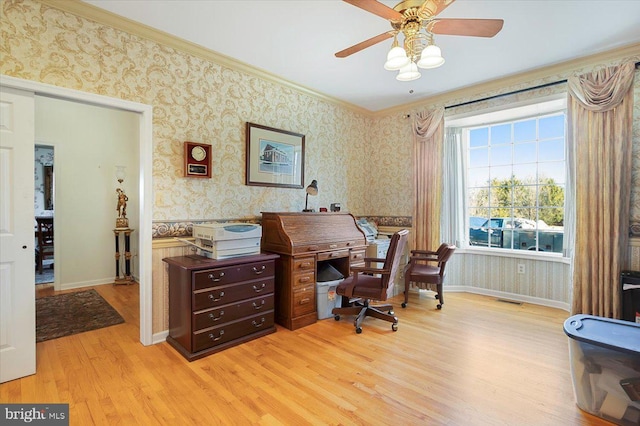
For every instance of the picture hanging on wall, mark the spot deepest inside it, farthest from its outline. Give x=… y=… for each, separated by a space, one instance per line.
x=274 y=157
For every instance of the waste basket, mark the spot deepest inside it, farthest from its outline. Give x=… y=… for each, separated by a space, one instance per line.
x=605 y=367
x=326 y=298
x=630 y=282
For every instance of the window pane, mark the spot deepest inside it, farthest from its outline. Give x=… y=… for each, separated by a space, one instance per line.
x=524 y=131
x=500 y=154
x=479 y=176
x=478 y=157
x=501 y=172
x=551 y=150
x=552 y=127
x=553 y=171
x=524 y=196
x=479 y=137
x=501 y=134
x=551 y=195
x=479 y=197
x=525 y=173
x=524 y=153
x=552 y=217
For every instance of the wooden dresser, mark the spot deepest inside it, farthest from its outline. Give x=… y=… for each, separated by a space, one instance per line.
x=304 y=240
x=216 y=304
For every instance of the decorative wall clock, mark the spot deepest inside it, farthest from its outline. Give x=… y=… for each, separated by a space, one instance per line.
x=197 y=160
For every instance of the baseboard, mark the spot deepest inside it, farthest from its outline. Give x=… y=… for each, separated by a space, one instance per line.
x=510 y=296
x=159 y=337
x=80 y=284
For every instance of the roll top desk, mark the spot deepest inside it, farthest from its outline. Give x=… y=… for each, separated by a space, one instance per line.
x=303 y=240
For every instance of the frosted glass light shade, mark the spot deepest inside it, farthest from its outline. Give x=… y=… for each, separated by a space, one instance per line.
x=396 y=59
x=408 y=73
x=431 y=57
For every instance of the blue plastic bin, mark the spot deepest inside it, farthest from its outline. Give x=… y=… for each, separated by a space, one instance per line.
x=605 y=367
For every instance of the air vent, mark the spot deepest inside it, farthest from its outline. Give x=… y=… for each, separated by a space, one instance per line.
x=513 y=302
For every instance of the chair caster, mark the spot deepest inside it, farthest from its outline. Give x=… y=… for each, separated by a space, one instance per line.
x=403 y=304
x=358 y=330
x=439 y=306
x=391 y=312
x=337 y=317
x=435 y=297
x=394 y=327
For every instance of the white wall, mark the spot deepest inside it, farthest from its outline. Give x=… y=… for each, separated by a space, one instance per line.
x=89 y=142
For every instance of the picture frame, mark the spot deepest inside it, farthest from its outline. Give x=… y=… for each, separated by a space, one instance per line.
x=274 y=157
x=197 y=160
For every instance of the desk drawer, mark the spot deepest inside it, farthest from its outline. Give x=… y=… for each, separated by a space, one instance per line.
x=337 y=245
x=227 y=332
x=333 y=254
x=304 y=264
x=222 y=295
x=226 y=313
x=304 y=300
x=357 y=257
x=303 y=280
x=232 y=274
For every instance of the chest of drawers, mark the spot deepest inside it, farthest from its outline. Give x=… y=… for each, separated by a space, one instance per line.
x=217 y=304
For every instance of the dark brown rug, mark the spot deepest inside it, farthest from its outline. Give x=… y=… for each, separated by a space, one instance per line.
x=72 y=313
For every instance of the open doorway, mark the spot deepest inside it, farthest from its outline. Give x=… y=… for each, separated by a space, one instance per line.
x=44 y=189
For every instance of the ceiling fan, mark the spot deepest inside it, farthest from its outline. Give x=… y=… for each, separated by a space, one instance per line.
x=417 y=21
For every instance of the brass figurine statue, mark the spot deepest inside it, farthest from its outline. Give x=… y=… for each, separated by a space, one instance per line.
x=121 y=208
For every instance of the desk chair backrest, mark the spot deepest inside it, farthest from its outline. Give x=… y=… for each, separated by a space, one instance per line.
x=45 y=232
x=396 y=250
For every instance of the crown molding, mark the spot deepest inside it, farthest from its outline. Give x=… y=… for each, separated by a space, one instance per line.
x=104 y=17
x=481 y=89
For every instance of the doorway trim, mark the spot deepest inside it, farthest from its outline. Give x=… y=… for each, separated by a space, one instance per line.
x=145 y=177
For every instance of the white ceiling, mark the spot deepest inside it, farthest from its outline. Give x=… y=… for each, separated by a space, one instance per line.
x=296 y=40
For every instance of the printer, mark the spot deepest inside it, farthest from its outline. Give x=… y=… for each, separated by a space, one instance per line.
x=376 y=246
x=224 y=240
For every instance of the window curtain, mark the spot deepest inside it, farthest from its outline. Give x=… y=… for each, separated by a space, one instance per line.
x=428 y=135
x=600 y=109
x=454 y=202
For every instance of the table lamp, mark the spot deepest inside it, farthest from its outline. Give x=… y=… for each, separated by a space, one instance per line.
x=312 y=189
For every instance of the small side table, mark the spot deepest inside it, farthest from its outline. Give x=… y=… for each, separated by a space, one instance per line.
x=127 y=278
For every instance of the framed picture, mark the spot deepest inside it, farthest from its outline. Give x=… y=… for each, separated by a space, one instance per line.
x=274 y=157
x=197 y=160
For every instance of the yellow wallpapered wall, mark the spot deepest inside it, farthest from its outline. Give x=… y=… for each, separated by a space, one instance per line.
x=193 y=100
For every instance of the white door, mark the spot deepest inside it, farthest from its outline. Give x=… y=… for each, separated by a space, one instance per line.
x=17 y=262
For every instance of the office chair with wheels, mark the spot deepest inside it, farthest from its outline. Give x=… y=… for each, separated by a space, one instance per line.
x=427 y=268
x=369 y=282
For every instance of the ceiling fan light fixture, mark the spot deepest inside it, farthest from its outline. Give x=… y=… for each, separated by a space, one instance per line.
x=431 y=57
x=408 y=73
x=396 y=58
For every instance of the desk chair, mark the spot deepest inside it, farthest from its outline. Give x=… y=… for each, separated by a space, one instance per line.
x=45 y=241
x=427 y=268
x=369 y=282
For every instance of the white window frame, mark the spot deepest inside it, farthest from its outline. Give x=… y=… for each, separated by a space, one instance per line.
x=512 y=112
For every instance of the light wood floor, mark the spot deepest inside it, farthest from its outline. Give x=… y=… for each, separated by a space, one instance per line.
x=476 y=362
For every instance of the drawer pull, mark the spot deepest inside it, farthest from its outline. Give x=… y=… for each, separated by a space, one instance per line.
x=349 y=243
x=259 y=289
x=258 y=324
x=214 y=338
x=304 y=279
x=304 y=265
x=312 y=248
x=333 y=246
x=213 y=298
x=305 y=300
x=258 y=307
x=259 y=271
x=216 y=279
x=214 y=318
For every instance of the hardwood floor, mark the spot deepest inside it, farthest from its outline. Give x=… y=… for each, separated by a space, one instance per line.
x=478 y=361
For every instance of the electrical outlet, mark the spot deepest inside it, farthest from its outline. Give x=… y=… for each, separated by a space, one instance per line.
x=521 y=268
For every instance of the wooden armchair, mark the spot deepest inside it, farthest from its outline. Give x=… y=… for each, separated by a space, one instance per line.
x=427 y=268
x=372 y=283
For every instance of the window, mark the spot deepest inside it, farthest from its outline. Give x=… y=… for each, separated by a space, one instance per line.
x=516 y=182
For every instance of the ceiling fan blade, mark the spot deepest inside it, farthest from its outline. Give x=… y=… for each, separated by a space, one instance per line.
x=466 y=27
x=363 y=45
x=434 y=7
x=376 y=8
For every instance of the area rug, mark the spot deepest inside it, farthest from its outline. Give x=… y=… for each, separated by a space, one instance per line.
x=72 y=313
